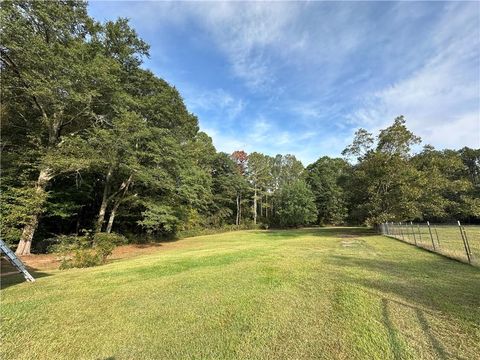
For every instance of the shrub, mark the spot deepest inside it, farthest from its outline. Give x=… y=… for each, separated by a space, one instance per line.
x=85 y=251
x=66 y=244
x=104 y=243
x=82 y=258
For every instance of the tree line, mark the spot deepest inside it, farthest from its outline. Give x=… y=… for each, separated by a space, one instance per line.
x=93 y=142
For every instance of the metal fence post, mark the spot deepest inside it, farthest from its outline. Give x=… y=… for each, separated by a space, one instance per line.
x=401 y=231
x=436 y=234
x=431 y=236
x=413 y=233
x=419 y=233
x=465 y=243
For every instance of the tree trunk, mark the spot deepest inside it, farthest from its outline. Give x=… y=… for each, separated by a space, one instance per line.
x=104 y=204
x=237 y=220
x=266 y=206
x=111 y=218
x=125 y=185
x=261 y=205
x=255 y=205
x=240 y=210
x=25 y=243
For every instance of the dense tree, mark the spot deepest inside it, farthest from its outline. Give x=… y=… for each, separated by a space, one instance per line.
x=228 y=182
x=326 y=178
x=51 y=70
x=384 y=185
x=446 y=188
x=389 y=183
x=258 y=174
x=296 y=204
x=240 y=158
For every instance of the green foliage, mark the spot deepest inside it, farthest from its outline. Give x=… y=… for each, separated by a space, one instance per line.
x=104 y=243
x=388 y=183
x=17 y=206
x=91 y=249
x=201 y=231
x=296 y=205
x=82 y=258
x=326 y=178
x=159 y=218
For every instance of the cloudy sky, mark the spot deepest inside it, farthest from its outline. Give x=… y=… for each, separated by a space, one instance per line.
x=301 y=77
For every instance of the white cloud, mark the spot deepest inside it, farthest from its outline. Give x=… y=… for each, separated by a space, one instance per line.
x=440 y=100
x=248 y=34
x=316 y=61
x=219 y=101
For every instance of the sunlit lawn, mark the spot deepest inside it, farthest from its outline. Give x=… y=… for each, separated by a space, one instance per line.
x=446 y=238
x=332 y=293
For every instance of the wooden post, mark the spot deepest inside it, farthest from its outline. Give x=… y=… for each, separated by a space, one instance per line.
x=465 y=243
x=431 y=236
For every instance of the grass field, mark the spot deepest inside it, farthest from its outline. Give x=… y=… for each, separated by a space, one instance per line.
x=330 y=293
x=446 y=238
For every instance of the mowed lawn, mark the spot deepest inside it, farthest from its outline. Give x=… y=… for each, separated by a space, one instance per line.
x=328 y=293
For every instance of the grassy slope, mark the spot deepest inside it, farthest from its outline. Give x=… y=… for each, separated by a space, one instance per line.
x=253 y=295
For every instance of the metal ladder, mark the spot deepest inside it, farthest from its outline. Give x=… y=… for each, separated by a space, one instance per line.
x=15 y=261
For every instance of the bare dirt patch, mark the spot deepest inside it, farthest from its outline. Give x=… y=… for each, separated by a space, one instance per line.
x=52 y=261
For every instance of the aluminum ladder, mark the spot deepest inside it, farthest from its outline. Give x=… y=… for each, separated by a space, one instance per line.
x=15 y=261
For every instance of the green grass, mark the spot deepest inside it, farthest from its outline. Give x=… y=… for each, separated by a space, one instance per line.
x=446 y=238
x=332 y=293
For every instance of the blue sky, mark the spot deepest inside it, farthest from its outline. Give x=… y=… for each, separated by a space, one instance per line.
x=301 y=77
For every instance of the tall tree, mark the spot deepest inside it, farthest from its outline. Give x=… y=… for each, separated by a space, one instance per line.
x=240 y=158
x=227 y=184
x=50 y=65
x=384 y=185
x=296 y=204
x=326 y=178
x=258 y=173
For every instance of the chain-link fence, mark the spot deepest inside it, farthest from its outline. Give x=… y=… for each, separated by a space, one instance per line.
x=457 y=241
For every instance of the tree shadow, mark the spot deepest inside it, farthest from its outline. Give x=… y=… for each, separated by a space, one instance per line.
x=437 y=345
x=395 y=341
x=426 y=286
x=393 y=338
x=328 y=232
x=437 y=283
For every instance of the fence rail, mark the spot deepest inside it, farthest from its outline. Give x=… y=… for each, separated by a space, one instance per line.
x=457 y=241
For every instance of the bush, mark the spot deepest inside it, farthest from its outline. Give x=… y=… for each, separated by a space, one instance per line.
x=85 y=251
x=82 y=258
x=104 y=243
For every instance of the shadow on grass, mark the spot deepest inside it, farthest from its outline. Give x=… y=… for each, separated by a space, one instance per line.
x=14 y=279
x=426 y=286
x=395 y=342
x=10 y=276
x=333 y=232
